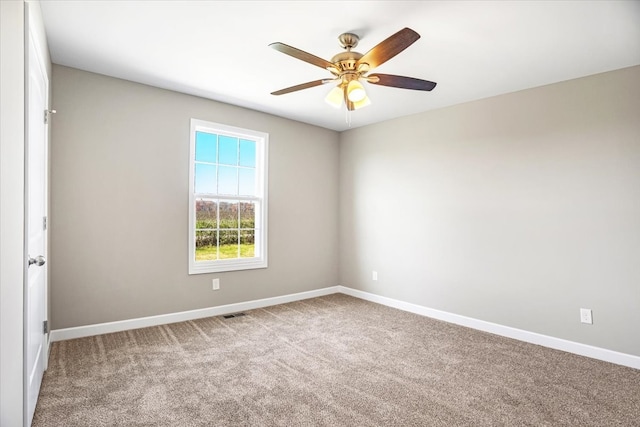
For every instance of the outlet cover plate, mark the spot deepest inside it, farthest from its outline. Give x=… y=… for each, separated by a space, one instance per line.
x=215 y=284
x=585 y=316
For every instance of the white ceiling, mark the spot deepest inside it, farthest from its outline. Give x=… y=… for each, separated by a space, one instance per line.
x=219 y=49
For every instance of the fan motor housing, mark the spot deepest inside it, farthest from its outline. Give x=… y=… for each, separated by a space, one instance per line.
x=346 y=61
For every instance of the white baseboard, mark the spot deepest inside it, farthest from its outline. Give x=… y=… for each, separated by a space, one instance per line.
x=505 y=331
x=481 y=325
x=163 y=319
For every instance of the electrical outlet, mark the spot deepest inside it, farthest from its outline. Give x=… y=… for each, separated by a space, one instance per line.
x=215 y=284
x=585 y=316
x=374 y=275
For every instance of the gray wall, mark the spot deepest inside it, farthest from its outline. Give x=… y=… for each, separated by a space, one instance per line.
x=119 y=203
x=518 y=209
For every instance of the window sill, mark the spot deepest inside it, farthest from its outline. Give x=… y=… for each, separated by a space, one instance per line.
x=204 y=267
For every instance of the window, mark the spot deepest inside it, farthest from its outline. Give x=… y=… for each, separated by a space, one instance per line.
x=227 y=198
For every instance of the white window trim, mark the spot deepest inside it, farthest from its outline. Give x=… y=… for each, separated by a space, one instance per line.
x=262 y=150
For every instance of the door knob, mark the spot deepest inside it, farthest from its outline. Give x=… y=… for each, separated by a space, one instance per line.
x=39 y=261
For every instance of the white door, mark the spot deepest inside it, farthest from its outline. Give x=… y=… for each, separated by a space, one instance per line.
x=36 y=339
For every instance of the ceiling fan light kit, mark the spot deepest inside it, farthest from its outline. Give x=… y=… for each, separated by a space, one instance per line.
x=363 y=103
x=351 y=68
x=355 y=91
x=335 y=96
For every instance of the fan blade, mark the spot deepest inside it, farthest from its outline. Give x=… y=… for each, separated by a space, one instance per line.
x=389 y=48
x=400 y=81
x=302 y=55
x=302 y=86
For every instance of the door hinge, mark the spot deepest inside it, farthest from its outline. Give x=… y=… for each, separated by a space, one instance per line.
x=46 y=115
x=44 y=222
x=45 y=327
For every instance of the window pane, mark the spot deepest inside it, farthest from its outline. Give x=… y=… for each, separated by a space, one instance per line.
x=228 y=214
x=247 y=215
x=206 y=245
x=206 y=214
x=247 y=153
x=228 y=180
x=206 y=147
x=247 y=243
x=228 y=244
x=205 y=178
x=247 y=179
x=228 y=147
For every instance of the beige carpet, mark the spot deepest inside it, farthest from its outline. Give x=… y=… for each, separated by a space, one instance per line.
x=329 y=361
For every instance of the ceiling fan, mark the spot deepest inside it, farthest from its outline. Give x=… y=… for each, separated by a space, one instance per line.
x=349 y=68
